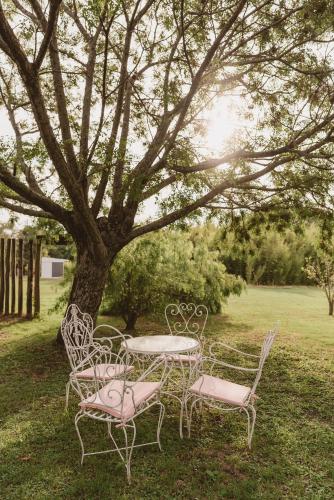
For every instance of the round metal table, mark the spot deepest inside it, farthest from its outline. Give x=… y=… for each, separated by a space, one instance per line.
x=161 y=344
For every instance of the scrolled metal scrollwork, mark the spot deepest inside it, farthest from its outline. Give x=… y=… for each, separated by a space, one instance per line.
x=186 y=319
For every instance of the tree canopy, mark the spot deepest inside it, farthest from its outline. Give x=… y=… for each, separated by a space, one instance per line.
x=105 y=99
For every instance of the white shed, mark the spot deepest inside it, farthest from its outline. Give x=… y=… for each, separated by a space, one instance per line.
x=52 y=268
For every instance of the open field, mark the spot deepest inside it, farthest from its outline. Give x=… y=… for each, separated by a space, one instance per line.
x=293 y=447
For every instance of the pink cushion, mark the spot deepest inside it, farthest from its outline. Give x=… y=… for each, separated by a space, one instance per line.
x=182 y=358
x=105 y=371
x=110 y=398
x=223 y=390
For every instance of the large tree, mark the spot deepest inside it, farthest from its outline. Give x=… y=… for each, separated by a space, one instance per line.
x=105 y=98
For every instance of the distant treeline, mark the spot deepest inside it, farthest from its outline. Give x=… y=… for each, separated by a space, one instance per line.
x=263 y=249
x=268 y=256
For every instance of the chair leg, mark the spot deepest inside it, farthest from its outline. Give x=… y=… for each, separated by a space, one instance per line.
x=185 y=413
x=78 y=416
x=129 y=449
x=191 y=416
x=200 y=411
x=250 y=423
x=161 y=417
x=251 y=430
x=114 y=441
x=68 y=385
x=181 y=418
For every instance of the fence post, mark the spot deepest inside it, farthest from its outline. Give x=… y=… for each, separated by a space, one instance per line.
x=2 y=274
x=20 y=280
x=29 y=279
x=37 y=300
x=7 y=269
x=13 y=276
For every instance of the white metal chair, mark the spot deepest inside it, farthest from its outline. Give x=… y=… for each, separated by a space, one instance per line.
x=223 y=394
x=78 y=334
x=118 y=402
x=188 y=320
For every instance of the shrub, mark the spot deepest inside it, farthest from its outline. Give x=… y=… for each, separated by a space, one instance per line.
x=168 y=266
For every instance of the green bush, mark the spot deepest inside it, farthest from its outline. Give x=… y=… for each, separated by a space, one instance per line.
x=169 y=266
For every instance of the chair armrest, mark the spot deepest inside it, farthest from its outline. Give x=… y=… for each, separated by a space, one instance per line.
x=109 y=340
x=129 y=386
x=114 y=330
x=229 y=348
x=154 y=367
x=81 y=366
x=101 y=352
x=215 y=361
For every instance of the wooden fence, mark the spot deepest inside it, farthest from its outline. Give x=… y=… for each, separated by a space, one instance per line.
x=19 y=258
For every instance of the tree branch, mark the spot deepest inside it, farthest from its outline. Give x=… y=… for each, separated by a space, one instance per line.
x=181 y=108
x=203 y=200
x=32 y=197
x=25 y=211
x=52 y=21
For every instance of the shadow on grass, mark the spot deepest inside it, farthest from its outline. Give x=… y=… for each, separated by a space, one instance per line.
x=49 y=453
x=6 y=321
x=156 y=325
x=40 y=452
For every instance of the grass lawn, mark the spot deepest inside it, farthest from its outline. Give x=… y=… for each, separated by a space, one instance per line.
x=293 y=446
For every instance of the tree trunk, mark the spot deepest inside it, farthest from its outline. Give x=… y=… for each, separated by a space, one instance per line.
x=331 y=307
x=88 y=285
x=131 y=321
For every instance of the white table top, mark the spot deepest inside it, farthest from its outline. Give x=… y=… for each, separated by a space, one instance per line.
x=161 y=344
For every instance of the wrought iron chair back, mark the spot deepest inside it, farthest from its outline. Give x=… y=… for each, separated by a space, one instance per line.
x=260 y=359
x=77 y=331
x=265 y=350
x=103 y=361
x=186 y=319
